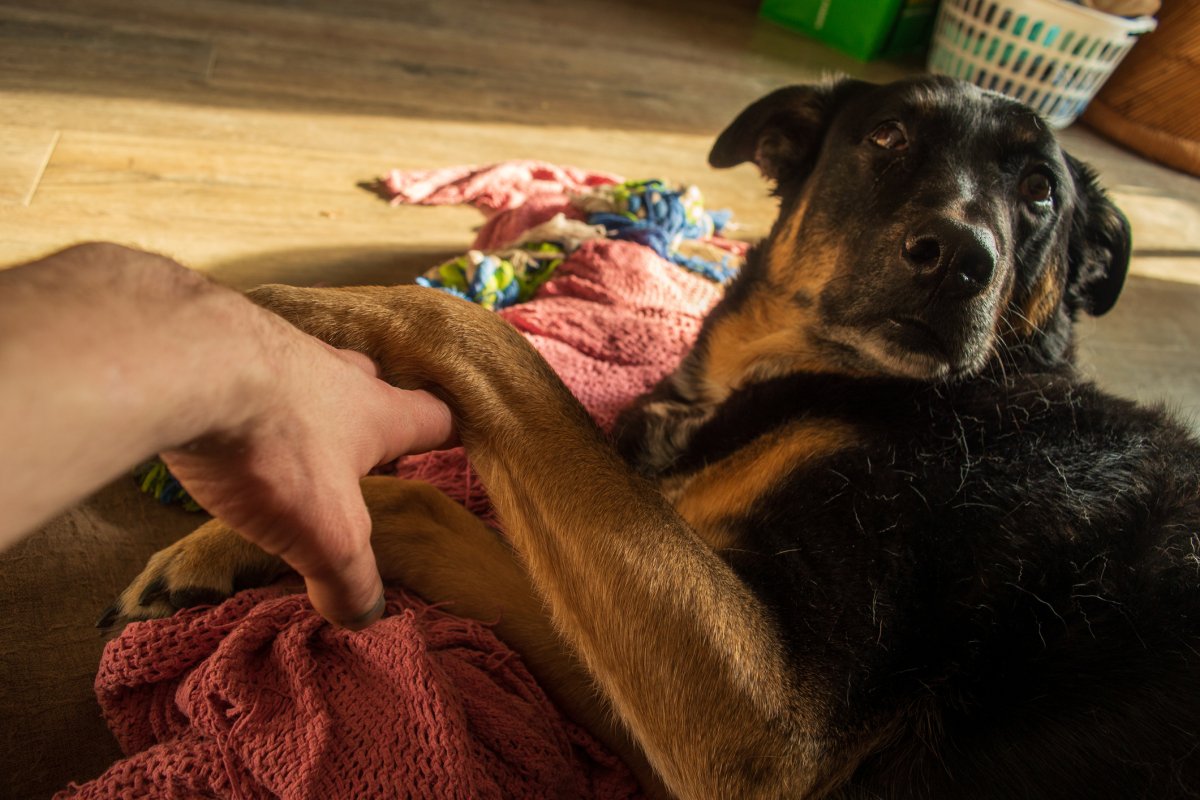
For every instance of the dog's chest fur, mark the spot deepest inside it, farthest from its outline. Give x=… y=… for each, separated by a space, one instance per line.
x=911 y=534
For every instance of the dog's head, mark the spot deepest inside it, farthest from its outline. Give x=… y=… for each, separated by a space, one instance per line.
x=925 y=226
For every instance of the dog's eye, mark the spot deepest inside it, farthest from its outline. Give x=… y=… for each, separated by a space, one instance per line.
x=1036 y=187
x=889 y=136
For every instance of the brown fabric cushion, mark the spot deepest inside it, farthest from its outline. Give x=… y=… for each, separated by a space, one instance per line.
x=53 y=587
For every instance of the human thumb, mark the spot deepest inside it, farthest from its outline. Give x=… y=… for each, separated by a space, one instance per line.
x=346 y=588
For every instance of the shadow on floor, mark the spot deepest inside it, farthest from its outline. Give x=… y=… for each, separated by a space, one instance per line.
x=372 y=265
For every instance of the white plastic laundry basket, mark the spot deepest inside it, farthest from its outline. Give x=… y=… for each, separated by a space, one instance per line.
x=1052 y=55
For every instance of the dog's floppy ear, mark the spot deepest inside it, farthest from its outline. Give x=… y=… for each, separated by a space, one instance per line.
x=782 y=132
x=1099 y=247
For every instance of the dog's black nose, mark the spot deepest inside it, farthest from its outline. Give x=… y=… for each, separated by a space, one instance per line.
x=960 y=258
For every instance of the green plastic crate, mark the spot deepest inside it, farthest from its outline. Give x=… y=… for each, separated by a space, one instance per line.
x=865 y=29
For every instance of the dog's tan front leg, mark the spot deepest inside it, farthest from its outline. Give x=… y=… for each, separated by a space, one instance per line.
x=684 y=652
x=426 y=542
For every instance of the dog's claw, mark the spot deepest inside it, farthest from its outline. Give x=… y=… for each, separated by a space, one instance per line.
x=155 y=590
x=109 y=617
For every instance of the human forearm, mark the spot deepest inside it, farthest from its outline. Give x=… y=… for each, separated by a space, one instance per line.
x=100 y=349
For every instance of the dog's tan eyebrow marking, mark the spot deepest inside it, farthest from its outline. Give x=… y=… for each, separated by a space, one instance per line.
x=922 y=98
x=1023 y=125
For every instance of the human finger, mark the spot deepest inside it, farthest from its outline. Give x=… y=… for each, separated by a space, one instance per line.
x=352 y=599
x=343 y=580
x=412 y=421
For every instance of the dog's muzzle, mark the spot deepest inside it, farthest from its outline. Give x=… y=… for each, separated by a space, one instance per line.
x=940 y=312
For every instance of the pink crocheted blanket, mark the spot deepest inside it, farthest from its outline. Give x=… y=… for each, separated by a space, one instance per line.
x=260 y=698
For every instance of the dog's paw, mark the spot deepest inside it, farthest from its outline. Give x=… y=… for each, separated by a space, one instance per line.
x=203 y=568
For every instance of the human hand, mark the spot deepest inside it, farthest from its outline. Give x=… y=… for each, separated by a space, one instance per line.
x=267 y=427
x=287 y=478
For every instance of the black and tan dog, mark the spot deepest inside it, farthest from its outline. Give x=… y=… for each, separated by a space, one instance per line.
x=890 y=546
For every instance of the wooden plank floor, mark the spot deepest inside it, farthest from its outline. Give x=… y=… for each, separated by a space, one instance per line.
x=233 y=135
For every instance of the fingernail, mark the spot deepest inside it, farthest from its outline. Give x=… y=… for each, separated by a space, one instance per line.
x=367 y=618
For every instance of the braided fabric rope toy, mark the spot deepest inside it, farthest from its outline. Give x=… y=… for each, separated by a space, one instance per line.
x=669 y=220
x=156 y=480
x=510 y=276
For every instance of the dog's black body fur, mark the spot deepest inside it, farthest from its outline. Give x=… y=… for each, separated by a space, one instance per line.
x=1013 y=563
x=1001 y=568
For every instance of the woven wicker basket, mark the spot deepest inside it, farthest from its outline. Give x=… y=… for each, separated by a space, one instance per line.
x=1151 y=104
x=1050 y=54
